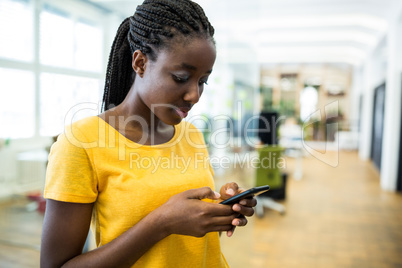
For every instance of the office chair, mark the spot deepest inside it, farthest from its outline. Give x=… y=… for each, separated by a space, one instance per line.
x=268 y=172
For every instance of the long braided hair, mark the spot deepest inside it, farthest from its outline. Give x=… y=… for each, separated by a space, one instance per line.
x=150 y=29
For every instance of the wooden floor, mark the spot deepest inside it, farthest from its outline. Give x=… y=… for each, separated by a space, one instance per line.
x=335 y=217
x=20 y=231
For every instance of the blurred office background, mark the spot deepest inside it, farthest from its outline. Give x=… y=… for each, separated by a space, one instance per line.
x=331 y=69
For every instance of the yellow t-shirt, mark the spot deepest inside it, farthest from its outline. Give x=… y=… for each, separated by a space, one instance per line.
x=92 y=162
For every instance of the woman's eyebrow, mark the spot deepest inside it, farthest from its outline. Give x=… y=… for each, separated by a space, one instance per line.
x=190 y=67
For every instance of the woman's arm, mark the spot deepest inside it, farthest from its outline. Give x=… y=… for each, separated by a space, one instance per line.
x=66 y=227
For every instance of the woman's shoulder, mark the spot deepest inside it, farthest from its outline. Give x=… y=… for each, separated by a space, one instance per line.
x=83 y=131
x=84 y=123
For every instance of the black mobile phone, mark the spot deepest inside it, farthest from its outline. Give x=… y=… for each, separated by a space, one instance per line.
x=246 y=194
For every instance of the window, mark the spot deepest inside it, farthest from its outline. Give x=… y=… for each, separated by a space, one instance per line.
x=17 y=109
x=88 y=52
x=62 y=71
x=56 y=39
x=308 y=103
x=70 y=44
x=60 y=96
x=16 y=30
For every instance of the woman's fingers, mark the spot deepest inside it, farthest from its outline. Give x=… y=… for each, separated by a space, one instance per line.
x=248 y=202
x=228 y=224
x=228 y=190
x=244 y=210
x=231 y=231
x=240 y=221
x=202 y=193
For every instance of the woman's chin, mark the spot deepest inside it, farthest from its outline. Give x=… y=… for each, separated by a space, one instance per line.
x=173 y=120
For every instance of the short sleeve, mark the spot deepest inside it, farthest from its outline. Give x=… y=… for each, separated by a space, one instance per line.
x=70 y=176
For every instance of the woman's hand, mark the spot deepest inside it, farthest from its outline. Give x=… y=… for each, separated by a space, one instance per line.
x=243 y=208
x=187 y=214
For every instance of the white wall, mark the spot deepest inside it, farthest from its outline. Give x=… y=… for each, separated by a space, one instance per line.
x=384 y=65
x=356 y=92
x=372 y=78
x=392 y=120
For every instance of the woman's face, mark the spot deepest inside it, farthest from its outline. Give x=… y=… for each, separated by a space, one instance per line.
x=175 y=81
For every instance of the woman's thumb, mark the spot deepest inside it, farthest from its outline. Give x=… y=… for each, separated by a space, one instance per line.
x=203 y=193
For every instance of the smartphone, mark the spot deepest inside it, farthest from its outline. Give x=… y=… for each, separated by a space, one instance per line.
x=246 y=194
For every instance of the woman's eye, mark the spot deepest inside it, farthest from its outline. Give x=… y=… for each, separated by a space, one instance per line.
x=203 y=82
x=179 y=79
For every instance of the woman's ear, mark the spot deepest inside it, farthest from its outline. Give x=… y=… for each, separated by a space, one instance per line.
x=139 y=62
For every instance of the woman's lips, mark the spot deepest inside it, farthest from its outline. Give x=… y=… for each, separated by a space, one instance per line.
x=182 y=112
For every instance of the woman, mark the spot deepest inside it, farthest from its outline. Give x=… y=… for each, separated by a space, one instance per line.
x=137 y=172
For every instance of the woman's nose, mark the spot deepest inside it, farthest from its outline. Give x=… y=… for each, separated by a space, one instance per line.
x=193 y=94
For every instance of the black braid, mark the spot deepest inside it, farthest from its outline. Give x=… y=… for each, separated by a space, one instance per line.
x=118 y=77
x=151 y=28
x=204 y=20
